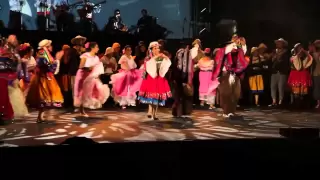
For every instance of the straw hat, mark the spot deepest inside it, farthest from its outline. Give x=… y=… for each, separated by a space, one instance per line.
x=44 y=43
x=153 y=44
x=262 y=46
x=78 y=38
x=116 y=45
x=109 y=50
x=281 y=40
x=64 y=47
x=253 y=49
x=316 y=43
x=297 y=45
x=197 y=41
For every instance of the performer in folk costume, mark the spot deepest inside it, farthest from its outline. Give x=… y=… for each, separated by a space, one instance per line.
x=155 y=89
x=110 y=65
x=28 y=65
x=89 y=91
x=255 y=71
x=196 y=54
x=44 y=90
x=8 y=72
x=280 y=69
x=299 y=79
x=230 y=62
x=17 y=98
x=208 y=86
x=182 y=77
x=127 y=82
x=315 y=70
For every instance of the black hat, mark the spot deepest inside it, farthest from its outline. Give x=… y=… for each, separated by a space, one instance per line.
x=226 y=29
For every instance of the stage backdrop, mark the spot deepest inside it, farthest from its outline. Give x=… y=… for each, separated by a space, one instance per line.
x=170 y=13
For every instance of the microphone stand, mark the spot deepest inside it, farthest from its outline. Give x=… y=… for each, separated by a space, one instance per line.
x=184 y=22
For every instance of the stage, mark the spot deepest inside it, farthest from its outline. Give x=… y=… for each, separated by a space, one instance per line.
x=130 y=125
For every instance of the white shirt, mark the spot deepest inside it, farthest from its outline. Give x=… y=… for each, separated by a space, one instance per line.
x=43 y=9
x=59 y=3
x=15 y=5
x=194 y=52
x=130 y=62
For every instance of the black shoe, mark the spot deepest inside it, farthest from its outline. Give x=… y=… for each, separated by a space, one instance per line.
x=39 y=121
x=149 y=116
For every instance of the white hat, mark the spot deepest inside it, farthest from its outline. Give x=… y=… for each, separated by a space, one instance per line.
x=83 y=39
x=109 y=50
x=282 y=40
x=296 y=45
x=44 y=43
x=253 y=49
x=153 y=44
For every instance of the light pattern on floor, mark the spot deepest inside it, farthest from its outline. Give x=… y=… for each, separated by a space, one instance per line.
x=127 y=126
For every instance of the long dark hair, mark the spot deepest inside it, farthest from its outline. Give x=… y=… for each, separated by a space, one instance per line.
x=91 y=46
x=24 y=51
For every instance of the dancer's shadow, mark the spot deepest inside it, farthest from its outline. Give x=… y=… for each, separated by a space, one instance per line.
x=172 y=123
x=90 y=120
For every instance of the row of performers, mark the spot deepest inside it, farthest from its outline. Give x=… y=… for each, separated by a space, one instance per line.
x=150 y=81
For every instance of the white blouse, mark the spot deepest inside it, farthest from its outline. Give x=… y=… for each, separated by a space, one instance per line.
x=130 y=62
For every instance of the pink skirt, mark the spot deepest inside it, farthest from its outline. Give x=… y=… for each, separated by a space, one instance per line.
x=207 y=85
x=78 y=87
x=126 y=83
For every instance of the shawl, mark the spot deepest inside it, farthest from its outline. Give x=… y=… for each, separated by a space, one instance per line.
x=184 y=63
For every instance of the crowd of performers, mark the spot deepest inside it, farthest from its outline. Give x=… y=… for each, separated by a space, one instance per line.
x=151 y=76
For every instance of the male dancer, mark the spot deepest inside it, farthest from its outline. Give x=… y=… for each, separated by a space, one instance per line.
x=230 y=62
x=196 y=54
x=182 y=76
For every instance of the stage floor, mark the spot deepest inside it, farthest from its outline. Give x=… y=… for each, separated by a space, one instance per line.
x=108 y=126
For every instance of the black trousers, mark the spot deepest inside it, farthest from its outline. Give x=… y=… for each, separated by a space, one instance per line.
x=64 y=22
x=183 y=104
x=41 y=22
x=14 y=20
x=229 y=93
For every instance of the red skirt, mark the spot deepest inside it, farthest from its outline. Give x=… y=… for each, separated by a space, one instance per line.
x=6 y=111
x=154 y=91
x=299 y=78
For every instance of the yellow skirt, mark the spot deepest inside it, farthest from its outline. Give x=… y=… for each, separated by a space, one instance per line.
x=256 y=84
x=44 y=91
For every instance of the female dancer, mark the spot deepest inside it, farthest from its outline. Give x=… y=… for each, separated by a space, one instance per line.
x=299 y=78
x=16 y=96
x=29 y=63
x=44 y=90
x=255 y=70
x=155 y=89
x=128 y=81
x=89 y=90
x=207 y=88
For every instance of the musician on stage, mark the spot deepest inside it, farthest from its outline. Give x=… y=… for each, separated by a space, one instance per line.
x=146 y=21
x=15 y=14
x=115 y=23
x=43 y=13
x=60 y=9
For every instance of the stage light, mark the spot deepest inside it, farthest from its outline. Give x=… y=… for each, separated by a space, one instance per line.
x=202 y=30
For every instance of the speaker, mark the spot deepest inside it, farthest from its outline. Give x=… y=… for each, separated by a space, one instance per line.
x=300 y=133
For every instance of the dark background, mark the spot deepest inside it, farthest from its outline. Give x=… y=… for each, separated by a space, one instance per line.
x=265 y=20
